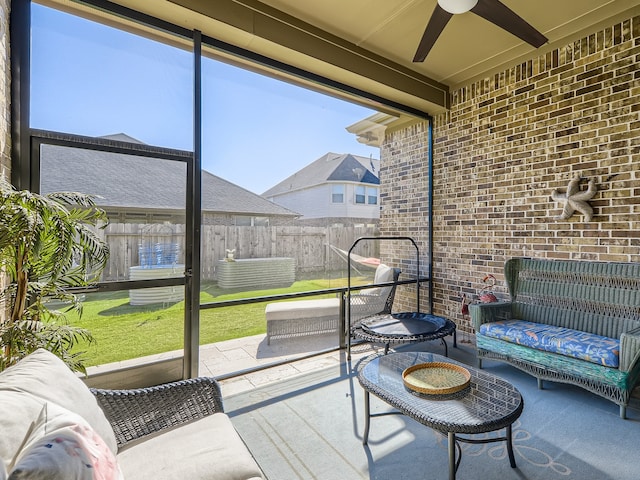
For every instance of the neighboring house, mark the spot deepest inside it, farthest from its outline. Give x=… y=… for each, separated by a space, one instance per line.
x=147 y=190
x=334 y=190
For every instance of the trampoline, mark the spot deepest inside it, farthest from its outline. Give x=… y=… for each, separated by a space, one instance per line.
x=398 y=328
x=406 y=327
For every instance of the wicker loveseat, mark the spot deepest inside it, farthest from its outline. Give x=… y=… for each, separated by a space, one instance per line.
x=568 y=321
x=53 y=427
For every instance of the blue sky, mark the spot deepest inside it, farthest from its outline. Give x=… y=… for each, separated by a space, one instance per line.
x=90 y=79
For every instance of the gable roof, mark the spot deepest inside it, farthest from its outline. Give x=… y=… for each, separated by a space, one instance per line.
x=128 y=181
x=122 y=137
x=331 y=167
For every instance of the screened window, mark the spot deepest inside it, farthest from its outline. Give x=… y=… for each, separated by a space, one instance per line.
x=108 y=82
x=360 y=194
x=134 y=95
x=126 y=90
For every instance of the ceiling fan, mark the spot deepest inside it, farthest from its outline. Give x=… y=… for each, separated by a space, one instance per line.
x=492 y=10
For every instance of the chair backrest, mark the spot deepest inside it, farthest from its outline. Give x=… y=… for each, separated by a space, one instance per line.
x=390 y=292
x=375 y=300
x=383 y=274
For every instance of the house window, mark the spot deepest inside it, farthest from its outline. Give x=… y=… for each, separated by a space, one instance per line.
x=360 y=194
x=249 y=221
x=372 y=196
x=337 y=194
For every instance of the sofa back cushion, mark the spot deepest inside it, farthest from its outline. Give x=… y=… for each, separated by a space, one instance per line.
x=39 y=378
x=602 y=298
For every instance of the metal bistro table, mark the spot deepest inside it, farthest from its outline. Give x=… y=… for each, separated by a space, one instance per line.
x=489 y=403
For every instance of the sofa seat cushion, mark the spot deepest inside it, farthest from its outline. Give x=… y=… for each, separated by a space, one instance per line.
x=323 y=307
x=565 y=341
x=208 y=448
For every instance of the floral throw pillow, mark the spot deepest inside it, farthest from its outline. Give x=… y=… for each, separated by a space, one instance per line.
x=66 y=448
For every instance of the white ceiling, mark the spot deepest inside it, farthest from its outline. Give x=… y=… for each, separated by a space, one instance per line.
x=468 y=46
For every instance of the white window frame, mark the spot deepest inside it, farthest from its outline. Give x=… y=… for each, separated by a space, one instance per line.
x=372 y=194
x=337 y=189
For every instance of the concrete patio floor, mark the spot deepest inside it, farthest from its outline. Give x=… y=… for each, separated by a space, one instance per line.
x=245 y=363
x=232 y=360
x=312 y=426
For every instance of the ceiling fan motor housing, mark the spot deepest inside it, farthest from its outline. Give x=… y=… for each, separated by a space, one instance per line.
x=457 y=6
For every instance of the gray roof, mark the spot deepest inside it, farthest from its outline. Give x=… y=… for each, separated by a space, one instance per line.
x=332 y=167
x=127 y=181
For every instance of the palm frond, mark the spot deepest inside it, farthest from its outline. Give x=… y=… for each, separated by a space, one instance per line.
x=48 y=244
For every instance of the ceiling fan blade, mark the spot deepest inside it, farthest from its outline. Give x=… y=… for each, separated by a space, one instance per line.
x=499 y=14
x=437 y=22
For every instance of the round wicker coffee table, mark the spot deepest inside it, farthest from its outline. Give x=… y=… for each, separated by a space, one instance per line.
x=488 y=404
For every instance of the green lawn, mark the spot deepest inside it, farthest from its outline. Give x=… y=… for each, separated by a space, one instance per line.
x=124 y=331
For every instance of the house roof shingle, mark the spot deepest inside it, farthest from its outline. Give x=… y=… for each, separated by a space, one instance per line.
x=331 y=167
x=127 y=181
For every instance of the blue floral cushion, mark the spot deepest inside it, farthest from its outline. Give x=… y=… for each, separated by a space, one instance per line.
x=573 y=343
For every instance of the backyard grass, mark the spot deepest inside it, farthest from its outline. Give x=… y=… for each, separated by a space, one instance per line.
x=124 y=331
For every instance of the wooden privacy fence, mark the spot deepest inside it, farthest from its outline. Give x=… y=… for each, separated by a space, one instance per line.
x=131 y=244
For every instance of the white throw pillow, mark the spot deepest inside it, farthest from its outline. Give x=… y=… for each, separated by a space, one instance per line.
x=384 y=274
x=62 y=446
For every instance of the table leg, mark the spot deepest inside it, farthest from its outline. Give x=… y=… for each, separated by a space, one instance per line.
x=512 y=459
x=367 y=418
x=452 y=455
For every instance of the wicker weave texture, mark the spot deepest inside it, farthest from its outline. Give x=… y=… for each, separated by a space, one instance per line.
x=310 y=323
x=596 y=297
x=297 y=327
x=139 y=412
x=363 y=305
x=489 y=404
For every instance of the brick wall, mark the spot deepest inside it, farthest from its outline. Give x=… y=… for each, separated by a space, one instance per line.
x=404 y=182
x=5 y=92
x=5 y=101
x=508 y=141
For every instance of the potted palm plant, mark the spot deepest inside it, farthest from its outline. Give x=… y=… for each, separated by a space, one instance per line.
x=48 y=246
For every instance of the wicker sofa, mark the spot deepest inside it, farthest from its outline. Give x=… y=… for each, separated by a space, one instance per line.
x=176 y=430
x=568 y=321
